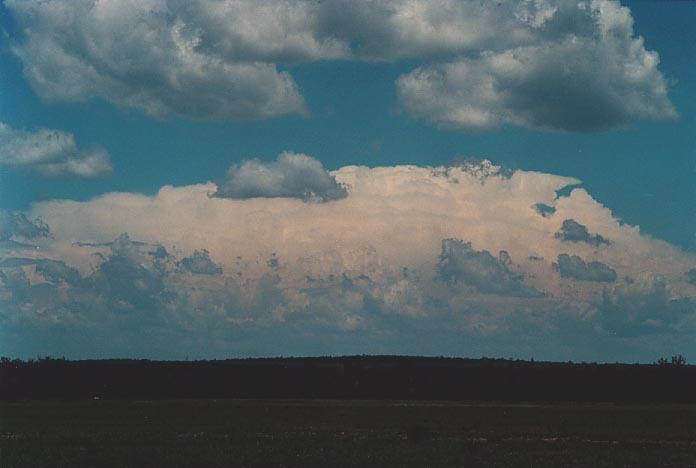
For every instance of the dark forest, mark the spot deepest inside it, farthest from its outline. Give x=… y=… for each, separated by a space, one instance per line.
x=353 y=377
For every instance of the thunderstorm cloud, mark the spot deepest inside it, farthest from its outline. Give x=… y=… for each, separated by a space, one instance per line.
x=372 y=271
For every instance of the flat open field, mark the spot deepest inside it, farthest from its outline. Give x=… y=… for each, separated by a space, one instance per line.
x=309 y=433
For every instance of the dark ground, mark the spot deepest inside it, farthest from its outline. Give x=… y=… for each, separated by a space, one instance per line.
x=320 y=433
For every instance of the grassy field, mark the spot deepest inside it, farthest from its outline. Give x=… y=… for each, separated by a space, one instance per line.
x=262 y=433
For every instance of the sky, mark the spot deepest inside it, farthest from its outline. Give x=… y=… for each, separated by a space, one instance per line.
x=295 y=177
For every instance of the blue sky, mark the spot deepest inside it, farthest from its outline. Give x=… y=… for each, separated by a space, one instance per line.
x=641 y=166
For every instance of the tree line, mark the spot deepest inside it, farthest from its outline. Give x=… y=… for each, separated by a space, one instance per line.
x=350 y=377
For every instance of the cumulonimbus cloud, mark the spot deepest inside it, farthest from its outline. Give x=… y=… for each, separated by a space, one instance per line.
x=366 y=268
x=559 y=65
x=51 y=153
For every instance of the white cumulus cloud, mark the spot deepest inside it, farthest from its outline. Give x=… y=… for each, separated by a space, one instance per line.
x=560 y=65
x=147 y=55
x=593 y=76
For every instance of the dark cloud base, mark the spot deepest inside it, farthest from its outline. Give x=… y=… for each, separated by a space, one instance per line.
x=572 y=231
x=576 y=268
x=459 y=262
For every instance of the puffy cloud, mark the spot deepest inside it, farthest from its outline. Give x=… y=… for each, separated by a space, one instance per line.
x=574 y=267
x=363 y=273
x=125 y=295
x=479 y=269
x=152 y=55
x=51 y=153
x=643 y=306
x=561 y=64
x=399 y=29
x=201 y=264
x=572 y=231
x=587 y=73
x=291 y=175
x=17 y=224
x=284 y=31
x=129 y=280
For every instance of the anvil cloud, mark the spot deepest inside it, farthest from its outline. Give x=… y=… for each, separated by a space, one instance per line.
x=459 y=251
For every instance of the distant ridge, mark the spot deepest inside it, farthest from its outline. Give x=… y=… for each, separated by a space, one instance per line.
x=350 y=377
